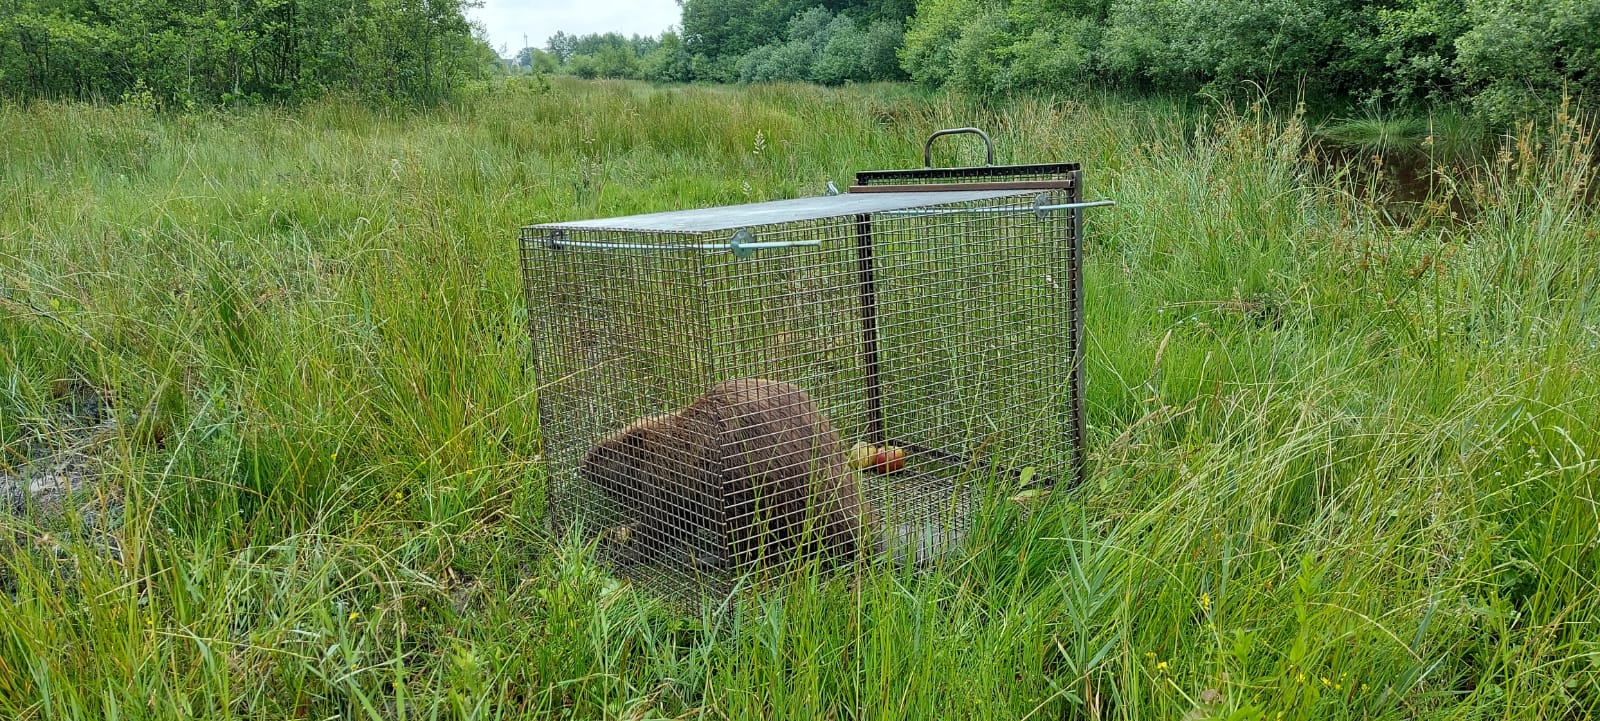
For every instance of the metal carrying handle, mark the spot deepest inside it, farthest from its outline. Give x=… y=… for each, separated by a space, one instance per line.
x=927 y=148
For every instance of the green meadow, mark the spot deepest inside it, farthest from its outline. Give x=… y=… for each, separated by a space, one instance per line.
x=1344 y=409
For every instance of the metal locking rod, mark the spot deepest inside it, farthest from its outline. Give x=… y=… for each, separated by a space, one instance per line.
x=742 y=244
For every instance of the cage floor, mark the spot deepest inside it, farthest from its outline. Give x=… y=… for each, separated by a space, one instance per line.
x=925 y=509
x=924 y=512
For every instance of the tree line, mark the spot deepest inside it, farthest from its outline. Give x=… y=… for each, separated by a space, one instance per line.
x=743 y=41
x=1505 y=57
x=196 y=52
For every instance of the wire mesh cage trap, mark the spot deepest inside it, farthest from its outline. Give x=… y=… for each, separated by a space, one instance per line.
x=824 y=378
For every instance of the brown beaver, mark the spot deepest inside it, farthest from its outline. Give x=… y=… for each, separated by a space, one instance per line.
x=751 y=466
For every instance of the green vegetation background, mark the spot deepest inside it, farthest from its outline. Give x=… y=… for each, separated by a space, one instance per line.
x=1345 y=446
x=1504 y=58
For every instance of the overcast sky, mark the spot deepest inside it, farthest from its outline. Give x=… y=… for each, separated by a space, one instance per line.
x=509 y=20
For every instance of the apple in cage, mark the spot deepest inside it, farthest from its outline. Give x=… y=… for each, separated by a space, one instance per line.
x=889 y=459
x=860 y=455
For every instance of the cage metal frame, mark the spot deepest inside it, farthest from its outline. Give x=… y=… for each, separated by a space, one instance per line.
x=960 y=190
x=1067 y=177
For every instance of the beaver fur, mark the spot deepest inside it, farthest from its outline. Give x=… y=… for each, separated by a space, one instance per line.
x=751 y=467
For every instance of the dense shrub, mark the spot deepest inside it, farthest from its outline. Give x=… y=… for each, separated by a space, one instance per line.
x=821 y=47
x=1506 y=56
x=1521 y=53
x=187 y=53
x=670 y=61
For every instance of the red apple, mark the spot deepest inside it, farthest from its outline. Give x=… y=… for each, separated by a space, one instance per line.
x=861 y=455
x=891 y=459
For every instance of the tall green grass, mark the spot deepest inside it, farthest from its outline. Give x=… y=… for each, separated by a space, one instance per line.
x=1345 y=468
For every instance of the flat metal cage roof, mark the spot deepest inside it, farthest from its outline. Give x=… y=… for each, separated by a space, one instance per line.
x=732 y=217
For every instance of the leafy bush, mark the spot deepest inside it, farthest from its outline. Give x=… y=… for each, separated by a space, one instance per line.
x=824 y=48
x=976 y=60
x=608 y=55
x=880 y=50
x=841 y=58
x=1520 y=54
x=982 y=46
x=1052 y=57
x=1224 y=44
x=1507 y=56
x=537 y=61
x=1415 y=44
x=724 y=30
x=670 y=61
x=181 y=54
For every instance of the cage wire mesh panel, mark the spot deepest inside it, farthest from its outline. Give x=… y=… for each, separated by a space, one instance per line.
x=705 y=374
x=620 y=334
x=1066 y=180
x=971 y=360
